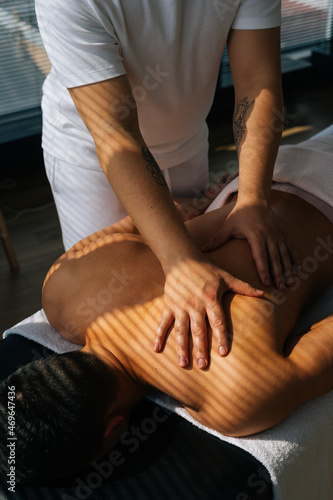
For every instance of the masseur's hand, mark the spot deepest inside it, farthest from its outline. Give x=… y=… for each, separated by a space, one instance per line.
x=270 y=248
x=193 y=291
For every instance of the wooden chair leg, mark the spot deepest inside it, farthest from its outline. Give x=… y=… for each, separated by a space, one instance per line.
x=7 y=244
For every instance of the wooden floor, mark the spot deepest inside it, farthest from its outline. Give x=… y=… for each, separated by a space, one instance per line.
x=32 y=219
x=37 y=240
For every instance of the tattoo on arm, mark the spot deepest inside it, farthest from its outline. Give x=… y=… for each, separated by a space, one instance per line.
x=153 y=167
x=239 y=121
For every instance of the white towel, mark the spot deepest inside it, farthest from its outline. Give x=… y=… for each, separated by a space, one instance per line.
x=296 y=164
x=298 y=453
x=37 y=328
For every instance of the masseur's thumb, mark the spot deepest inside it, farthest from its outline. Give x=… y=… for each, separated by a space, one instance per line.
x=221 y=237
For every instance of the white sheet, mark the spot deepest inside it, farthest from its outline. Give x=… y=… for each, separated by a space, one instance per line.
x=294 y=165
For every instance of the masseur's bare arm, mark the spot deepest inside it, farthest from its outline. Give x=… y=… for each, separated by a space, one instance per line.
x=258 y=122
x=194 y=286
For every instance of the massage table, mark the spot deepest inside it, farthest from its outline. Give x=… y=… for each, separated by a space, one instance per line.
x=167 y=455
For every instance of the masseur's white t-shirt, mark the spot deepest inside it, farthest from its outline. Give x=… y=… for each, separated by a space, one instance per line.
x=171 y=52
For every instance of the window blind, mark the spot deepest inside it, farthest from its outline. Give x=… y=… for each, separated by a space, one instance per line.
x=306 y=25
x=24 y=64
x=23 y=67
x=305 y=22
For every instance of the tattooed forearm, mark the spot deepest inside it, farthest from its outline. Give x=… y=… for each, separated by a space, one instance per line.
x=153 y=168
x=239 y=121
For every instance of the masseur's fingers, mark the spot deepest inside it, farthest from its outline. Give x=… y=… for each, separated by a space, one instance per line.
x=218 y=325
x=275 y=263
x=199 y=337
x=259 y=253
x=273 y=255
x=165 y=321
x=192 y=293
x=216 y=317
x=181 y=331
x=290 y=260
x=215 y=313
x=282 y=268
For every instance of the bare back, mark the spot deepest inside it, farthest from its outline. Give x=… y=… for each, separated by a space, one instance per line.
x=110 y=290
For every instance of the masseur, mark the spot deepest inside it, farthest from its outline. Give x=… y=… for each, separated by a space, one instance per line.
x=129 y=91
x=106 y=294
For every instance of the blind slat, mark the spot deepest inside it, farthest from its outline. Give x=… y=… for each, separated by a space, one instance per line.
x=23 y=67
x=305 y=21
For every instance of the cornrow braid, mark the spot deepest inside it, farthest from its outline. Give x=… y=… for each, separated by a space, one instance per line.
x=60 y=404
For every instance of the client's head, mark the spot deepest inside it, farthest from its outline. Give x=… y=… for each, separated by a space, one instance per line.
x=61 y=404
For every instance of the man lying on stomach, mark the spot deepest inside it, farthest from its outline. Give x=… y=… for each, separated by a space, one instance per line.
x=106 y=295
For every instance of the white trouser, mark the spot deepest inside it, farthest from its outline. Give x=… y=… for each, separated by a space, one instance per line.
x=86 y=202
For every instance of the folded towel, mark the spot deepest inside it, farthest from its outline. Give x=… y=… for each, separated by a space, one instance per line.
x=37 y=328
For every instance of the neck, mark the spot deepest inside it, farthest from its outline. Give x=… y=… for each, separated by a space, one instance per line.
x=131 y=388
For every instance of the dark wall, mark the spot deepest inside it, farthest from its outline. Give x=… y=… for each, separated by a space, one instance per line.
x=21 y=158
